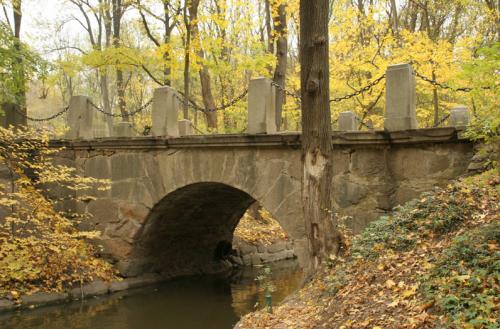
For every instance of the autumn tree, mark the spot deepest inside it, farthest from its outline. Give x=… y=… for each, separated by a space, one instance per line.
x=316 y=129
x=14 y=109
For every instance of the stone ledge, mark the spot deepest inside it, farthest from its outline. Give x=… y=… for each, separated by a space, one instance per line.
x=92 y=289
x=427 y=135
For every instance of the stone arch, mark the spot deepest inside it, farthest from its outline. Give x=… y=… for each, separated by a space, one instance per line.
x=143 y=182
x=187 y=232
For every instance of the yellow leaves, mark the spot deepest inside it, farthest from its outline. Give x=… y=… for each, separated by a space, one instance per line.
x=390 y=283
x=409 y=292
x=37 y=243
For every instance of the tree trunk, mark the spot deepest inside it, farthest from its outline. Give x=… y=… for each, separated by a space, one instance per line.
x=281 y=57
x=394 y=18
x=187 y=62
x=316 y=131
x=120 y=83
x=166 y=56
x=205 y=80
x=20 y=104
x=435 y=100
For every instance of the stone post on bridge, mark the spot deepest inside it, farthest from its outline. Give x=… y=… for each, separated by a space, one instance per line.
x=348 y=121
x=80 y=118
x=123 y=129
x=459 y=116
x=165 y=113
x=84 y=121
x=261 y=107
x=400 y=107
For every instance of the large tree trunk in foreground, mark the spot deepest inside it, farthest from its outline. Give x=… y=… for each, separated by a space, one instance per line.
x=316 y=131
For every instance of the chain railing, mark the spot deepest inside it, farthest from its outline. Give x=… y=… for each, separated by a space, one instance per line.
x=122 y=115
x=49 y=118
x=441 y=85
x=442 y=120
x=287 y=92
x=191 y=103
x=366 y=88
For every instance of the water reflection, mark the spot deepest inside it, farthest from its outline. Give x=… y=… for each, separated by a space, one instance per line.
x=188 y=303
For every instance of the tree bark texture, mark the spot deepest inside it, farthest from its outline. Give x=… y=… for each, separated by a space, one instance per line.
x=281 y=60
x=316 y=131
x=205 y=79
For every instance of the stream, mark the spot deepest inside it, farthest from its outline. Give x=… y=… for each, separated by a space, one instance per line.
x=202 y=302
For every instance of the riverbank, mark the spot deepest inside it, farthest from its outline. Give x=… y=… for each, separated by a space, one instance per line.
x=88 y=290
x=257 y=241
x=431 y=264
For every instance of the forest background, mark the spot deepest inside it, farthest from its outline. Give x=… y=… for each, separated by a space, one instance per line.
x=118 y=51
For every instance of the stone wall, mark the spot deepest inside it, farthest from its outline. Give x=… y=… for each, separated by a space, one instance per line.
x=174 y=203
x=249 y=254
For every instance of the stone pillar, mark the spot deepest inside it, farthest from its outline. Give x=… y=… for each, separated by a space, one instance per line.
x=185 y=128
x=261 y=107
x=400 y=108
x=348 y=121
x=165 y=112
x=459 y=116
x=123 y=129
x=80 y=118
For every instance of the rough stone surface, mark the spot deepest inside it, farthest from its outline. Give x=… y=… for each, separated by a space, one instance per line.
x=174 y=202
x=185 y=128
x=459 y=116
x=6 y=305
x=165 y=111
x=400 y=110
x=43 y=298
x=261 y=107
x=96 y=288
x=348 y=121
x=123 y=129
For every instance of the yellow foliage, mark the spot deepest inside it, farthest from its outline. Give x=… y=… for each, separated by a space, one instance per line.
x=40 y=247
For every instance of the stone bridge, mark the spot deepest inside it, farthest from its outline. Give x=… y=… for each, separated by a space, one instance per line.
x=175 y=202
x=176 y=198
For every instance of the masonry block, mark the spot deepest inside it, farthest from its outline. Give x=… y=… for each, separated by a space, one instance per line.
x=123 y=129
x=261 y=107
x=459 y=116
x=80 y=118
x=185 y=128
x=348 y=121
x=400 y=112
x=165 y=112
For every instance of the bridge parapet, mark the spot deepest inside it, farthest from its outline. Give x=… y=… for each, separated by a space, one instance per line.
x=400 y=113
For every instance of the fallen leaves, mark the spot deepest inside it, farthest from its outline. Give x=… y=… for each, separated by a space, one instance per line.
x=387 y=291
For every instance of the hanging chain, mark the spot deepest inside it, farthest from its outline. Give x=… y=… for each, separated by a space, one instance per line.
x=366 y=88
x=445 y=86
x=443 y=119
x=182 y=98
x=287 y=92
x=58 y=114
x=122 y=115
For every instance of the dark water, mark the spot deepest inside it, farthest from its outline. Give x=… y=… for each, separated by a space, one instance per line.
x=209 y=302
